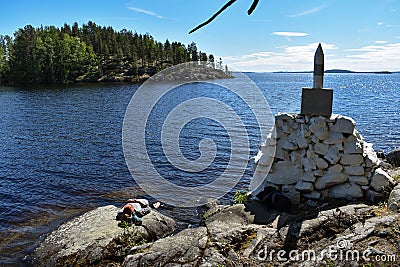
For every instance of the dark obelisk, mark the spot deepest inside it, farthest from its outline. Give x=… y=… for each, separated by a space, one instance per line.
x=317 y=100
x=319 y=68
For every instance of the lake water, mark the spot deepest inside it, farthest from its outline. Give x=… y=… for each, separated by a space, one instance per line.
x=61 y=149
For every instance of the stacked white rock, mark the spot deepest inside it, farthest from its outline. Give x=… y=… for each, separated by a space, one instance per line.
x=319 y=158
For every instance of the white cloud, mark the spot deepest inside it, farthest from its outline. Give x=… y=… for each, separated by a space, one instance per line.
x=308 y=11
x=372 y=58
x=289 y=58
x=380 y=42
x=383 y=53
x=288 y=35
x=367 y=48
x=291 y=34
x=387 y=25
x=144 y=11
x=377 y=57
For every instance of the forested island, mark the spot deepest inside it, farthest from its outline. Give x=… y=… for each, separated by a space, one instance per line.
x=90 y=53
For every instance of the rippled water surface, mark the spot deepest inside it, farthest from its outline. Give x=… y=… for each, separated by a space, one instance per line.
x=61 y=151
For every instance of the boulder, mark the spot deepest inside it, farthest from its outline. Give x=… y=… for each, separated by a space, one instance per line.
x=346 y=191
x=186 y=248
x=296 y=158
x=285 y=173
x=344 y=125
x=321 y=134
x=317 y=123
x=304 y=186
x=280 y=134
x=286 y=128
x=352 y=159
x=352 y=146
x=334 y=138
x=321 y=164
x=321 y=148
x=232 y=217
x=393 y=157
x=330 y=179
x=354 y=170
x=285 y=144
x=360 y=180
x=339 y=146
x=155 y=225
x=335 y=168
x=297 y=138
x=308 y=165
x=265 y=155
x=370 y=157
x=380 y=180
x=308 y=177
x=333 y=155
x=394 y=199
x=90 y=238
x=374 y=197
x=281 y=154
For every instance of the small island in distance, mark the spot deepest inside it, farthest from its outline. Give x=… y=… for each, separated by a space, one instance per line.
x=341 y=71
x=91 y=53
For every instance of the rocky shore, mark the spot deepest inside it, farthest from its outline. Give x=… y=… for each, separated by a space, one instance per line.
x=247 y=234
x=183 y=72
x=345 y=211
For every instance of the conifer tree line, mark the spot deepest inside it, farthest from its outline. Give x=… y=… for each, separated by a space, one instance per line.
x=87 y=54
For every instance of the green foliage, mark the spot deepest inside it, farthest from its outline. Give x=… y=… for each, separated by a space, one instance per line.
x=396 y=177
x=132 y=237
x=72 y=53
x=330 y=263
x=240 y=197
x=4 y=57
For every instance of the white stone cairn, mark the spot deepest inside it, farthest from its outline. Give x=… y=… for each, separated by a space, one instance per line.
x=320 y=157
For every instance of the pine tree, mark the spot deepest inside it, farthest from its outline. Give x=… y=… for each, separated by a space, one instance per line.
x=192 y=49
x=72 y=53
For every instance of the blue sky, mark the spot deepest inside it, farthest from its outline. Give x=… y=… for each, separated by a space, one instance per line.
x=361 y=35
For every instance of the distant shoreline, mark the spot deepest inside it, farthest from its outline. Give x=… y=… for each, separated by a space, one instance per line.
x=339 y=71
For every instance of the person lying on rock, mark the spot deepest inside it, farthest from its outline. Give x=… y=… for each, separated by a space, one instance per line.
x=134 y=210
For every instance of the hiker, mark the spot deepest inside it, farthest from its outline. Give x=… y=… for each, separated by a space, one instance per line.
x=134 y=209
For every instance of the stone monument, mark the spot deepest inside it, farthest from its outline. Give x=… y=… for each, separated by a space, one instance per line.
x=319 y=155
x=317 y=100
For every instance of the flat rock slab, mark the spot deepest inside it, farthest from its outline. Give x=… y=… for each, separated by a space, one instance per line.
x=229 y=237
x=184 y=249
x=94 y=227
x=86 y=239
